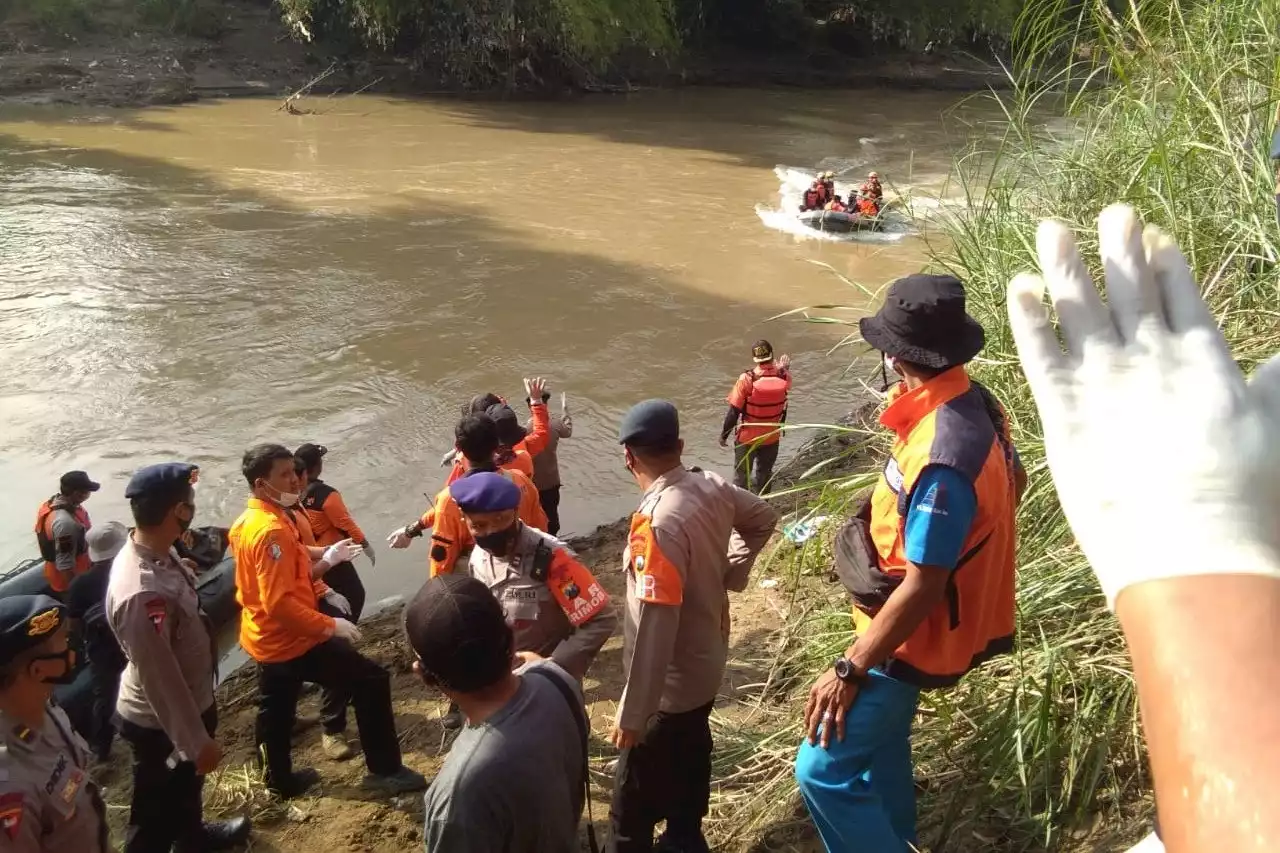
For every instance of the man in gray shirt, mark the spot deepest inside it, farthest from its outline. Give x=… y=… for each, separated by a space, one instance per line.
x=514 y=780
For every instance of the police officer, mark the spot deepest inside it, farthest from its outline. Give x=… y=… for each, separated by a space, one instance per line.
x=553 y=603
x=48 y=803
x=166 y=702
x=693 y=539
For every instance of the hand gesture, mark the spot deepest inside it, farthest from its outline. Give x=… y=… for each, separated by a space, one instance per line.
x=534 y=388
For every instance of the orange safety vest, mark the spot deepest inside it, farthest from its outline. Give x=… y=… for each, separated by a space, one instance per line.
x=949 y=421
x=450 y=536
x=48 y=548
x=764 y=405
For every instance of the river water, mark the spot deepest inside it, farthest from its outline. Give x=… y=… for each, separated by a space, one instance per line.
x=181 y=283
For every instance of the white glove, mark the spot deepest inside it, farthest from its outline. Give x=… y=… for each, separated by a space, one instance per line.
x=341 y=552
x=344 y=630
x=338 y=600
x=1167 y=462
x=447 y=459
x=399 y=538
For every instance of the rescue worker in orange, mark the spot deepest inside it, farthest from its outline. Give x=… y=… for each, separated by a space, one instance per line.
x=517 y=446
x=283 y=628
x=812 y=198
x=836 y=205
x=757 y=405
x=61 y=525
x=933 y=583
x=870 y=196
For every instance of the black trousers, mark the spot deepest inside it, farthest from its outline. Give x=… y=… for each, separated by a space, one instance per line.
x=105 y=681
x=758 y=461
x=167 y=806
x=550 y=500
x=333 y=664
x=667 y=777
x=345 y=581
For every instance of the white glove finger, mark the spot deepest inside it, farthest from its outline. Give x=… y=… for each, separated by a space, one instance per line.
x=1083 y=318
x=1131 y=285
x=1183 y=305
x=1038 y=348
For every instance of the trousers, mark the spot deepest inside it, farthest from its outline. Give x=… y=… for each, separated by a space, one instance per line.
x=753 y=465
x=105 y=681
x=665 y=777
x=550 y=500
x=168 y=803
x=344 y=580
x=333 y=664
x=860 y=791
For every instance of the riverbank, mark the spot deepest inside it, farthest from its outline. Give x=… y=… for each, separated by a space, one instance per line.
x=122 y=61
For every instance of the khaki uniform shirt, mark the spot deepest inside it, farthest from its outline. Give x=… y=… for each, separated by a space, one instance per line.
x=48 y=803
x=155 y=613
x=546 y=465
x=694 y=538
x=566 y=617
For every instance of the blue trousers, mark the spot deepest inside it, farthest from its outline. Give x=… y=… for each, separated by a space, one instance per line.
x=860 y=791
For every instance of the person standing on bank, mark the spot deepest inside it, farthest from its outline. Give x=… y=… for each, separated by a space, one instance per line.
x=61 y=525
x=284 y=630
x=759 y=400
x=166 y=701
x=692 y=541
x=934 y=590
x=48 y=802
x=87 y=607
x=546 y=465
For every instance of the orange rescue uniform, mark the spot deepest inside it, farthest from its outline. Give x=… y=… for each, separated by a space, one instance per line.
x=330 y=519
x=761 y=395
x=522 y=459
x=279 y=616
x=450 y=535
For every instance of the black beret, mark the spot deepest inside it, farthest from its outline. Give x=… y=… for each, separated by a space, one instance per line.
x=26 y=621
x=652 y=423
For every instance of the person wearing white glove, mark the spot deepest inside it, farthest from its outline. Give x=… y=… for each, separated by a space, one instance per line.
x=338 y=602
x=344 y=630
x=1167 y=464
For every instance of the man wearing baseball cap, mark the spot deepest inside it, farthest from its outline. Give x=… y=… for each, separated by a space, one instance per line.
x=759 y=400
x=61 y=525
x=515 y=779
x=944 y=502
x=48 y=803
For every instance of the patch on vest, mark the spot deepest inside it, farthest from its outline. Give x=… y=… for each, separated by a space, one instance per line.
x=273 y=550
x=893 y=475
x=11 y=814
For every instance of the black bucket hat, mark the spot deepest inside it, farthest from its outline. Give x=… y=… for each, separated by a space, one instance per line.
x=923 y=321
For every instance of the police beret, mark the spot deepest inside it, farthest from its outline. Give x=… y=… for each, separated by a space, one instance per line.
x=650 y=424
x=485 y=491
x=26 y=621
x=161 y=479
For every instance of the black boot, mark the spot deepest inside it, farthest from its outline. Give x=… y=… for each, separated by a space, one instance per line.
x=218 y=835
x=301 y=782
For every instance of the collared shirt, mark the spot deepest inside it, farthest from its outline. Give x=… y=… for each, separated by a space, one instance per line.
x=546 y=465
x=155 y=613
x=48 y=803
x=279 y=615
x=566 y=616
x=694 y=538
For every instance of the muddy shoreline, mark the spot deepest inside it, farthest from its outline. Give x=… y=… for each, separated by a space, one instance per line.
x=252 y=56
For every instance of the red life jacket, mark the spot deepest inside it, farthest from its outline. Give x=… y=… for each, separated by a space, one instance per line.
x=765 y=408
x=48 y=549
x=812 y=199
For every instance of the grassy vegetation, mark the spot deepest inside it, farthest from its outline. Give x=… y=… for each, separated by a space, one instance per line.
x=1170 y=108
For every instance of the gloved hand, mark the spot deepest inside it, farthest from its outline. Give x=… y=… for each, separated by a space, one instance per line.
x=447 y=459
x=367 y=549
x=341 y=552
x=344 y=630
x=534 y=388
x=1166 y=461
x=338 y=600
x=399 y=538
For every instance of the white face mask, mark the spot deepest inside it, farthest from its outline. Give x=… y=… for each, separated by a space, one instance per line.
x=890 y=364
x=284 y=498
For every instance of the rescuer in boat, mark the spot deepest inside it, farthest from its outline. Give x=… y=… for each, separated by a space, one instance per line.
x=870 y=196
x=822 y=192
x=759 y=400
x=837 y=205
x=61 y=525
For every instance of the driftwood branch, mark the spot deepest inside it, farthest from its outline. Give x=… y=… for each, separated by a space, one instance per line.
x=288 y=104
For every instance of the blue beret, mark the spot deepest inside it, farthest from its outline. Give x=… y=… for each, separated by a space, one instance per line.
x=26 y=621
x=485 y=491
x=649 y=424
x=161 y=479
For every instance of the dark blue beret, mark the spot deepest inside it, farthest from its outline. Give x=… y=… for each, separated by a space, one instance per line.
x=650 y=424
x=26 y=621
x=485 y=491
x=161 y=479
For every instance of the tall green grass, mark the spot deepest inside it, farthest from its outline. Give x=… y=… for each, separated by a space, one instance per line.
x=1168 y=106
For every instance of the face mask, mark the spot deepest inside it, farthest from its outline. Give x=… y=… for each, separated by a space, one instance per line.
x=68 y=658
x=890 y=364
x=283 y=498
x=498 y=544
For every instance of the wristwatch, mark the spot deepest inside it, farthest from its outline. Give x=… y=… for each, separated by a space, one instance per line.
x=848 y=672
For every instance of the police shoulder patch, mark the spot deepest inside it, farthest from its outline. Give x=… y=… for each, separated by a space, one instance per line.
x=11 y=813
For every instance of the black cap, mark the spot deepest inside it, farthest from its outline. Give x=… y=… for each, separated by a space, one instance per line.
x=762 y=351
x=163 y=479
x=26 y=621
x=459 y=632
x=653 y=423
x=77 y=481
x=923 y=321
x=310 y=453
x=510 y=432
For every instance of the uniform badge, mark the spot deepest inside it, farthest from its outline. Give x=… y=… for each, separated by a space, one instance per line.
x=156 y=613
x=638 y=563
x=24 y=734
x=43 y=623
x=72 y=787
x=11 y=814
x=274 y=551
x=570 y=590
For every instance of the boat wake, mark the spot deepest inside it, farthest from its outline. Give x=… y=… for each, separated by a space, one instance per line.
x=896 y=221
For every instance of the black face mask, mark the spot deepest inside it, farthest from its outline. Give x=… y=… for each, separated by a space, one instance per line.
x=68 y=657
x=498 y=544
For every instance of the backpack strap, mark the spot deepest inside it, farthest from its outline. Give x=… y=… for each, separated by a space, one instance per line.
x=584 y=732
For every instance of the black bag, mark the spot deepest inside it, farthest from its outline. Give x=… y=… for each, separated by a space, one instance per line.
x=857 y=563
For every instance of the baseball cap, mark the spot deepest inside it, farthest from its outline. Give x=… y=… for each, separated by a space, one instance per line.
x=762 y=351
x=77 y=481
x=459 y=632
x=106 y=540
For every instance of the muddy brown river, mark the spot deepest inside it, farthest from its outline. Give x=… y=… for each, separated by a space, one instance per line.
x=181 y=283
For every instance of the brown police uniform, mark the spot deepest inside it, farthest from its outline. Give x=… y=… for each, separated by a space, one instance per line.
x=694 y=538
x=553 y=603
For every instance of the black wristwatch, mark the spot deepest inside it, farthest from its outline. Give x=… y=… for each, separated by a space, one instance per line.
x=847 y=672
